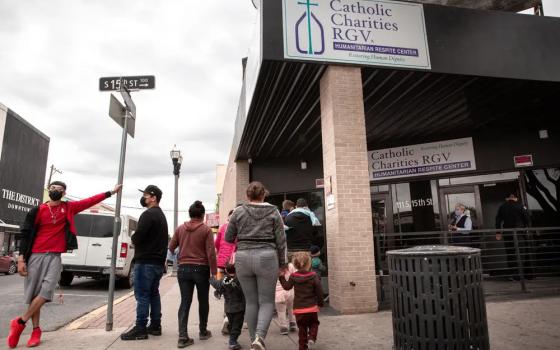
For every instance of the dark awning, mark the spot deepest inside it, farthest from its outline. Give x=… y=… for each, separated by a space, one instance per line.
x=486 y=72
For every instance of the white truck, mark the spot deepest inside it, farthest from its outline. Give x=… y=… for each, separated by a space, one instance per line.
x=93 y=256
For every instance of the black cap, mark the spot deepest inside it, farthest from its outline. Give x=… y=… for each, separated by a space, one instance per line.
x=315 y=250
x=152 y=190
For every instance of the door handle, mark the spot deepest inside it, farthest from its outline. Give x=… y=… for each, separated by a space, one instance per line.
x=96 y=244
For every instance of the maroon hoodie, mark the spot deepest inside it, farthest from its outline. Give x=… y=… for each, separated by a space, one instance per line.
x=196 y=244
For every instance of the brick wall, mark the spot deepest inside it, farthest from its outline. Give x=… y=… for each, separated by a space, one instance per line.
x=235 y=183
x=349 y=224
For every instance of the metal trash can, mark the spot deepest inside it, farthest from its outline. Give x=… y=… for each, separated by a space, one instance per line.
x=437 y=299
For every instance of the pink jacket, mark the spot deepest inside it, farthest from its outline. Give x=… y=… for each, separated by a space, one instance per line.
x=223 y=248
x=282 y=295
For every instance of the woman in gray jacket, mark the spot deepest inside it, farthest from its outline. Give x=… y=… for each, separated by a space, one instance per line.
x=261 y=250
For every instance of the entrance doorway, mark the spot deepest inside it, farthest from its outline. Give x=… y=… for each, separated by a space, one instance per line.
x=382 y=211
x=469 y=196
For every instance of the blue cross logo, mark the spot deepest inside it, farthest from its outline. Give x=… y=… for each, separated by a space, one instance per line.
x=309 y=15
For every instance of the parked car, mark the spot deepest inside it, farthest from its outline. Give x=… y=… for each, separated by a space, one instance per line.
x=8 y=263
x=93 y=256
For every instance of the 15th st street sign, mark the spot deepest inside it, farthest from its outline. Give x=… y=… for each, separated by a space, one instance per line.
x=131 y=83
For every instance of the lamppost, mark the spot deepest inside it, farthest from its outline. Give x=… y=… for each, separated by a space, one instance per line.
x=177 y=159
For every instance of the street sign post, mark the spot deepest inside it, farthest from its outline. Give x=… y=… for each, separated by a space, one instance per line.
x=119 y=113
x=126 y=118
x=132 y=83
x=130 y=106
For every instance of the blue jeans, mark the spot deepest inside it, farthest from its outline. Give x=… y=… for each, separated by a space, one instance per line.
x=146 y=291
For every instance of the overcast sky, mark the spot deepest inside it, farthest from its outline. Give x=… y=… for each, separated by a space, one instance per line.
x=54 y=52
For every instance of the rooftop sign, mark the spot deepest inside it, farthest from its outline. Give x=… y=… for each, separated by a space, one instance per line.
x=364 y=32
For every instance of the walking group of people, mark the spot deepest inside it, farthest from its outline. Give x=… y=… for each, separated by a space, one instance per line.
x=262 y=261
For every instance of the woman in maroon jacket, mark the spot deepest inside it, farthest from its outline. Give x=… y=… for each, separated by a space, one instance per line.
x=197 y=261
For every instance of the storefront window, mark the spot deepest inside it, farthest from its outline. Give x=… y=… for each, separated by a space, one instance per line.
x=543 y=196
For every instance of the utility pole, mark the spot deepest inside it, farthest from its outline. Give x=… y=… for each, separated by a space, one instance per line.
x=53 y=171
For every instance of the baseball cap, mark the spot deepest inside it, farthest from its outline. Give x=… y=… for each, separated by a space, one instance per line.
x=152 y=190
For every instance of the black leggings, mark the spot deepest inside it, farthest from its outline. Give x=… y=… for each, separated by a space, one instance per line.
x=189 y=277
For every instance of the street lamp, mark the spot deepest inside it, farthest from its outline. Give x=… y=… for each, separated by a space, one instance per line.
x=177 y=159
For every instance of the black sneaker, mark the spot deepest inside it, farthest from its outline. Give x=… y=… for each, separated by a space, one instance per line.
x=154 y=330
x=205 y=335
x=184 y=342
x=136 y=333
x=284 y=330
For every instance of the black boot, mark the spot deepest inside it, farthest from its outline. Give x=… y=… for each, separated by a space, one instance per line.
x=154 y=330
x=136 y=333
x=184 y=342
x=204 y=335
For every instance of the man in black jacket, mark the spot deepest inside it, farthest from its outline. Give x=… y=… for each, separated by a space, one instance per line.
x=301 y=232
x=513 y=214
x=150 y=252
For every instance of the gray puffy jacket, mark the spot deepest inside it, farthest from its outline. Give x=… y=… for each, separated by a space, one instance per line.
x=258 y=226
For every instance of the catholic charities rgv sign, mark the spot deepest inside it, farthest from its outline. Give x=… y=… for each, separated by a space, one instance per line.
x=365 y=32
x=424 y=159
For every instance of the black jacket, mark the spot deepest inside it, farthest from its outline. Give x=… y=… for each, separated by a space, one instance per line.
x=230 y=288
x=301 y=234
x=29 y=232
x=512 y=215
x=150 y=238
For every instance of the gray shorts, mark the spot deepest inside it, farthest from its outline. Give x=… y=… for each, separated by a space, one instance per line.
x=43 y=274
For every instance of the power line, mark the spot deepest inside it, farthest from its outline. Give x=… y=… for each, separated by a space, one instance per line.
x=138 y=208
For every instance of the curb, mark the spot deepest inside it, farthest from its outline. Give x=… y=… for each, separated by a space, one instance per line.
x=76 y=324
x=93 y=315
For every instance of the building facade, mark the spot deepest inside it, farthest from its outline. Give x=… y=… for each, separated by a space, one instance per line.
x=384 y=115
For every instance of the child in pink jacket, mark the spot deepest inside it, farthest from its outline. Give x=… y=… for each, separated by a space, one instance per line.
x=224 y=249
x=285 y=305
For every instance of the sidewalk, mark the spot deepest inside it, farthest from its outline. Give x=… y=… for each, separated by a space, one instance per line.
x=520 y=324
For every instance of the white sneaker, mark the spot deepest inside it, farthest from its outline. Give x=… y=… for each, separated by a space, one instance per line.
x=258 y=344
x=311 y=344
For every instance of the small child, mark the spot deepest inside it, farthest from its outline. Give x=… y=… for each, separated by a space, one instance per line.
x=316 y=262
x=285 y=304
x=307 y=300
x=230 y=288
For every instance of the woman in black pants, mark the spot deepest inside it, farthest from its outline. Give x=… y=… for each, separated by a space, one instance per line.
x=197 y=261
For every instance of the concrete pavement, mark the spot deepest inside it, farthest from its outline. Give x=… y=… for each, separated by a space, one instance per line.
x=517 y=324
x=83 y=296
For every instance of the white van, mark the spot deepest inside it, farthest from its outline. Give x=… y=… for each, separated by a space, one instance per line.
x=95 y=241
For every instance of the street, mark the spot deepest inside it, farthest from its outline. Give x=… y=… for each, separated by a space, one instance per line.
x=83 y=296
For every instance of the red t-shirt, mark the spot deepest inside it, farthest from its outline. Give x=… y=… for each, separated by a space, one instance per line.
x=51 y=237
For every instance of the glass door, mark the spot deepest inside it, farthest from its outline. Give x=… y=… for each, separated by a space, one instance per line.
x=468 y=196
x=382 y=212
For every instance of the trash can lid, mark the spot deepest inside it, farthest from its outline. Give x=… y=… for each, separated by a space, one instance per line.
x=430 y=250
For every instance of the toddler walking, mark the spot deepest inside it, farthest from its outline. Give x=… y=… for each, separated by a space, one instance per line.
x=285 y=305
x=307 y=299
x=230 y=288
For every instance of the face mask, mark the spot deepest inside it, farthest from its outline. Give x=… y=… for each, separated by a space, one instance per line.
x=458 y=212
x=55 y=195
x=143 y=202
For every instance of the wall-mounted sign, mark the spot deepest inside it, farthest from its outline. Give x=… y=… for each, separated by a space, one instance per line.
x=319 y=183
x=364 y=32
x=424 y=159
x=523 y=160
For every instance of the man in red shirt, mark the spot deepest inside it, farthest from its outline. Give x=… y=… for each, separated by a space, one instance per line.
x=47 y=232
